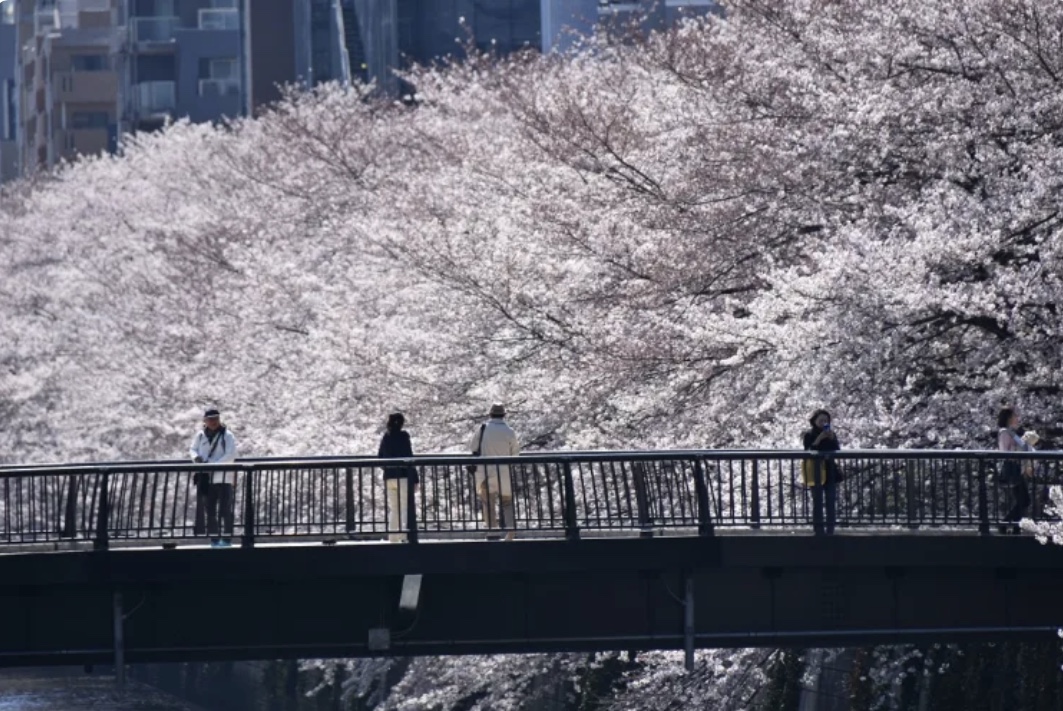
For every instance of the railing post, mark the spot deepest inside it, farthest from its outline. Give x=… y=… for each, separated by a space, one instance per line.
x=411 y=505
x=248 y=540
x=910 y=495
x=103 y=513
x=70 y=514
x=571 y=523
x=701 y=490
x=818 y=493
x=754 y=498
x=638 y=474
x=983 y=500
x=349 y=499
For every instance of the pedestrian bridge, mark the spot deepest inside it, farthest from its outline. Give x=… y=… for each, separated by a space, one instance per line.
x=614 y=550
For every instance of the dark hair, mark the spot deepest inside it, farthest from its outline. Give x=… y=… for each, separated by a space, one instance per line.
x=815 y=416
x=1004 y=416
x=396 y=420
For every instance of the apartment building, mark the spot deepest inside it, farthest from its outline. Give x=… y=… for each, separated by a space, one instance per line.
x=90 y=71
x=76 y=75
x=8 y=92
x=301 y=43
x=182 y=58
x=68 y=96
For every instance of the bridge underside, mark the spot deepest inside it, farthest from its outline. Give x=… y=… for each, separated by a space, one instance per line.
x=525 y=596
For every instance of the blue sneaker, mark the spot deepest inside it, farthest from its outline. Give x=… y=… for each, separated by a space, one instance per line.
x=225 y=543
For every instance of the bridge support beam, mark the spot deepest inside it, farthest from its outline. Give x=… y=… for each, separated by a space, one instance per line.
x=688 y=621
x=119 y=641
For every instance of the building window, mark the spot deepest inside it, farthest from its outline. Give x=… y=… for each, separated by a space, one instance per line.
x=227 y=4
x=219 y=77
x=89 y=63
x=219 y=68
x=89 y=119
x=219 y=18
x=154 y=8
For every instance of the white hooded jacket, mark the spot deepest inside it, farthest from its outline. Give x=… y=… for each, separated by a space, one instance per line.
x=499 y=440
x=224 y=451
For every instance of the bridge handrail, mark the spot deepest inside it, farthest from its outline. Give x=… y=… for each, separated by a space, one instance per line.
x=563 y=493
x=179 y=465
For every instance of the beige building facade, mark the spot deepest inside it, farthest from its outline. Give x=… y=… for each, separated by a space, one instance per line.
x=69 y=100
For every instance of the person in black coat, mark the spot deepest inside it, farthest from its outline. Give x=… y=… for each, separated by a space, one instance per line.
x=396 y=444
x=822 y=438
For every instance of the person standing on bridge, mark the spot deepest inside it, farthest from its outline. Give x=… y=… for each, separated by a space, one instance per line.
x=821 y=475
x=215 y=444
x=396 y=444
x=495 y=438
x=1014 y=473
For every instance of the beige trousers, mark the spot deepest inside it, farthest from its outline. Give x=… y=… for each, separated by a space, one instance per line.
x=490 y=499
x=397 y=491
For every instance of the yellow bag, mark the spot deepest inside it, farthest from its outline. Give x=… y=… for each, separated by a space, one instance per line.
x=808 y=470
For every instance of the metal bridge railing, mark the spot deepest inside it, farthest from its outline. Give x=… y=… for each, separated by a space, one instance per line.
x=554 y=495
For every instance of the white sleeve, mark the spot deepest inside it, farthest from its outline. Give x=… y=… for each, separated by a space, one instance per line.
x=193 y=450
x=230 y=448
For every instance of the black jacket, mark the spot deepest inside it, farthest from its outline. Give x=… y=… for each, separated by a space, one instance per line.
x=827 y=445
x=397 y=445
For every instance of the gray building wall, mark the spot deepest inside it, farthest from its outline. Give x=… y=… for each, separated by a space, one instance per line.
x=676 y=10
x=396 y=33
x=564 y=20
x=621 y=16
x=301 y=40
x=378 y=20
x=8 y=102
x=429 y=29
x=279 y=40
x=193 y=46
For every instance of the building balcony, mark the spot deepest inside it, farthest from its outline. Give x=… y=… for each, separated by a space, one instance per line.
x=154 y=30
x=219 y=19
x=88 y=87
x=219 y=87
x=83 y=141
x=156 y=97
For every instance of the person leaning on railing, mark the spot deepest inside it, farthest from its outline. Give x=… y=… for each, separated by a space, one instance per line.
x=215 y=444
x=1013 y=473
x=396 y=444
x=822 y=476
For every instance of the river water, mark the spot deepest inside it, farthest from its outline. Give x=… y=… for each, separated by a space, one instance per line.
x=45 y=692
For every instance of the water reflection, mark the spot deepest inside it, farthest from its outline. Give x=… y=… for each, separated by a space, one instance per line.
x=80 y=693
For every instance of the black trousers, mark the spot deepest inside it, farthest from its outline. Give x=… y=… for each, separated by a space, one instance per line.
x=1020 y=495
x=220 y=506
x=824 y=501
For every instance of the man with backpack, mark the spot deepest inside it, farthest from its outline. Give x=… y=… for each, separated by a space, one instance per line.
x=215 y=444
x=493 y=484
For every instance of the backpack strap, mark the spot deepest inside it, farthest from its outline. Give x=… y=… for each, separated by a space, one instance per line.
x=480 y=442
x=219 y=437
